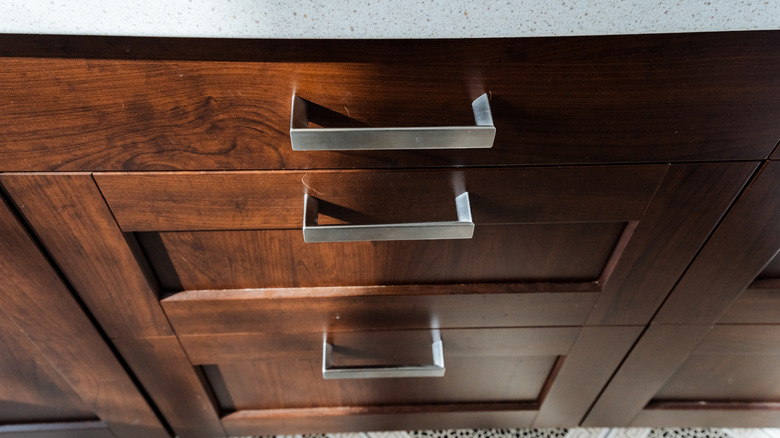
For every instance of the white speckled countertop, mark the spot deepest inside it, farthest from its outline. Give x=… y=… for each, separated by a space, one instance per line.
x=382 y=18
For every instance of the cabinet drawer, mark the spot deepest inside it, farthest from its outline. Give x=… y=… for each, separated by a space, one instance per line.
x=226 y=105
x=202 y=201
x=376 y=308
x=243 y=230
x=760 y=302
x=491 y=375
x=561 y=253
x=481 y=366
x=729 y=380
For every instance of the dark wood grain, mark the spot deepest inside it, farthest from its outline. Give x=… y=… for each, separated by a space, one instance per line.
x=729 y=380
x=710 y=415
x=73 y=222
x=298 y=383
x=653 y=360
x=83 y=429
x=167 y=375
x=732 y=362
x=742 y=340
x=251 y=311
x=31 y=390
x=756 y=305
x=253 y=200
x=686 y=208
x=555 y=101
x=730 y=376
x=586 y=369
x=381 y=418
x=772 y=270
x=395 y=345
x=743 y=245
x=280 y=258
x=631 y=49
x=41 y=305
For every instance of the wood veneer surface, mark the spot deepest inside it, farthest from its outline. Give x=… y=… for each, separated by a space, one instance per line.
x=194 y=104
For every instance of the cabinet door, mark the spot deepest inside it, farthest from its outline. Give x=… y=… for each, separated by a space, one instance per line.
x=710 y=356
x=58 y=378
x=174 y=264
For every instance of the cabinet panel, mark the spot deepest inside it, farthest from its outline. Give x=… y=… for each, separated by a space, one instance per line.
x=743 y=247
x=211 y=105
x=70 y=217
x=724 y=414
x=734 y=362
x=384 y=307
x=187 y=201
x=351 y=419
x=758 y=304
x=722 y=372
x=280 y=258
x=772 y=270
x=504 y=369
x=293 y=384
x=57 y=375
x=31 y=390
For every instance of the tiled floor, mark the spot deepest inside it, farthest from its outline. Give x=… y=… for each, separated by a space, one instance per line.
x=560 y=433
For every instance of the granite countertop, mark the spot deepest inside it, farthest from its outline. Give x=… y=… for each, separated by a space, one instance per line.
x=383 y=18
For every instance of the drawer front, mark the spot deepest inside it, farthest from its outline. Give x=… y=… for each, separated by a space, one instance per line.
x=229 y=249
x=237 y=230
x=481 y=366
x=204 y=201
x=760 y=302
x=281 y=258
x=509 y=377
x=491 y=377
x=320 y=310
x=729 y=380
x=211 y=105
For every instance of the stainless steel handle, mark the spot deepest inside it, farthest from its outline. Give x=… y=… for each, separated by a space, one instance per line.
x=353 y=139
x=463 y=228
x=432 y=370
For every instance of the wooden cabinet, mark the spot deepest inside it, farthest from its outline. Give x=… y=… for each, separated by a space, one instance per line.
x=58 y=378
x=235 y=313
x=159 y=176
x=709 y=358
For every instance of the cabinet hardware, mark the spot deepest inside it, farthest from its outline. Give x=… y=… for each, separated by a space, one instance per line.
x=436 y=369
x=479 y=136
x=463 y=228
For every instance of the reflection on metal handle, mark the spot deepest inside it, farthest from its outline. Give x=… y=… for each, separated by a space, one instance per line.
x=463 y=228
x=433 y=370
x=354 y=139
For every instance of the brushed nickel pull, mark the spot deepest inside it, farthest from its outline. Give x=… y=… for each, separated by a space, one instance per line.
x=463 y=228
x=481 y=135
x=436 y=369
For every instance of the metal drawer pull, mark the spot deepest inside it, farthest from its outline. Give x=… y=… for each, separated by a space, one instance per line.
x=354 y=139
x=433 y=370
x=463 y=228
